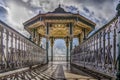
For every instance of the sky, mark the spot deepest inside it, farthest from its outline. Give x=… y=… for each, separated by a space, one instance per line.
x=16 y=12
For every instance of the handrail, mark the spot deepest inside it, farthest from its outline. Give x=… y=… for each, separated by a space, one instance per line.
x=17 y=51
x=99 y=51
x=2 y=23
x=114 y=18
x=59 y=58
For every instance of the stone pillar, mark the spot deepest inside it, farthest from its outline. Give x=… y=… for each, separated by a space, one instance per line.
x=52 y=43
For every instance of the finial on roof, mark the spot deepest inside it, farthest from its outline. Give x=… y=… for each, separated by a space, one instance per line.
x=59 y=5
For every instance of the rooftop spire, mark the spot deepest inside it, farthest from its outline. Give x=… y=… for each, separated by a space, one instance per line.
x=59 y=5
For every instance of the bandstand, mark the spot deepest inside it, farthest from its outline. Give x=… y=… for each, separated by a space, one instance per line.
x=97 y=57
x=58 y=24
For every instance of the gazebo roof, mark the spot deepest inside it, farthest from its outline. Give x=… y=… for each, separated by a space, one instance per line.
x=59 y=21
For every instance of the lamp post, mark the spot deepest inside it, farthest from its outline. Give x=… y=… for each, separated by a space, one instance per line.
x=118 y=15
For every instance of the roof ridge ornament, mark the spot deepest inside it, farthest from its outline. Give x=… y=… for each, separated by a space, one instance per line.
x=59 y=9
x=59 y=5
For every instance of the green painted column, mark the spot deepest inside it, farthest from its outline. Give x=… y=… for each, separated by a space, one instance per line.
x=67 y=49
x=71 y=32
x=71 y=44
x=52 y=43
x=118 y=15
x=47 y=42
x=71 y=38
x=51 y=53
x=79 y=40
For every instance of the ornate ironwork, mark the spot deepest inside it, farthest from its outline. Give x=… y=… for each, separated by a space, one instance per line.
x=99 y=51
x=16 y=51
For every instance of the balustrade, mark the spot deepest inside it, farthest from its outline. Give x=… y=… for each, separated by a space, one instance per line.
x=16 y=51
x=99 y=51
x=59 y=58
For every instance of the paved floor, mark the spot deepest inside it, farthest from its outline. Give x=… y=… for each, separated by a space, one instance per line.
x=63 y=71
x=52 y=71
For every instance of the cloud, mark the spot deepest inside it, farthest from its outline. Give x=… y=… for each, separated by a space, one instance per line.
x=3 y=13
x=22 y=10
x=71 y=9
x=15 y=12
x=86 y=10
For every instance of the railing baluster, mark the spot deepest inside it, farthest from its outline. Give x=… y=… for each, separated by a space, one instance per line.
x=7 y=53
x=99 y=50
x=114 y=47
x=17 y=51
x=11 y=54
x=1 y=47
x=104 y=34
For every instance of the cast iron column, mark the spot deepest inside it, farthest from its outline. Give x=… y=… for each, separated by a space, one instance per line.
x=71 y=39
x=47 y=43
x=79 y=39
x=52 y=43
x=67 y=45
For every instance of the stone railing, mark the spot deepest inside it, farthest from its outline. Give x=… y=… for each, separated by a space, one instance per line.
x=59 y=58
x=100 y=51
x=17 y=51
